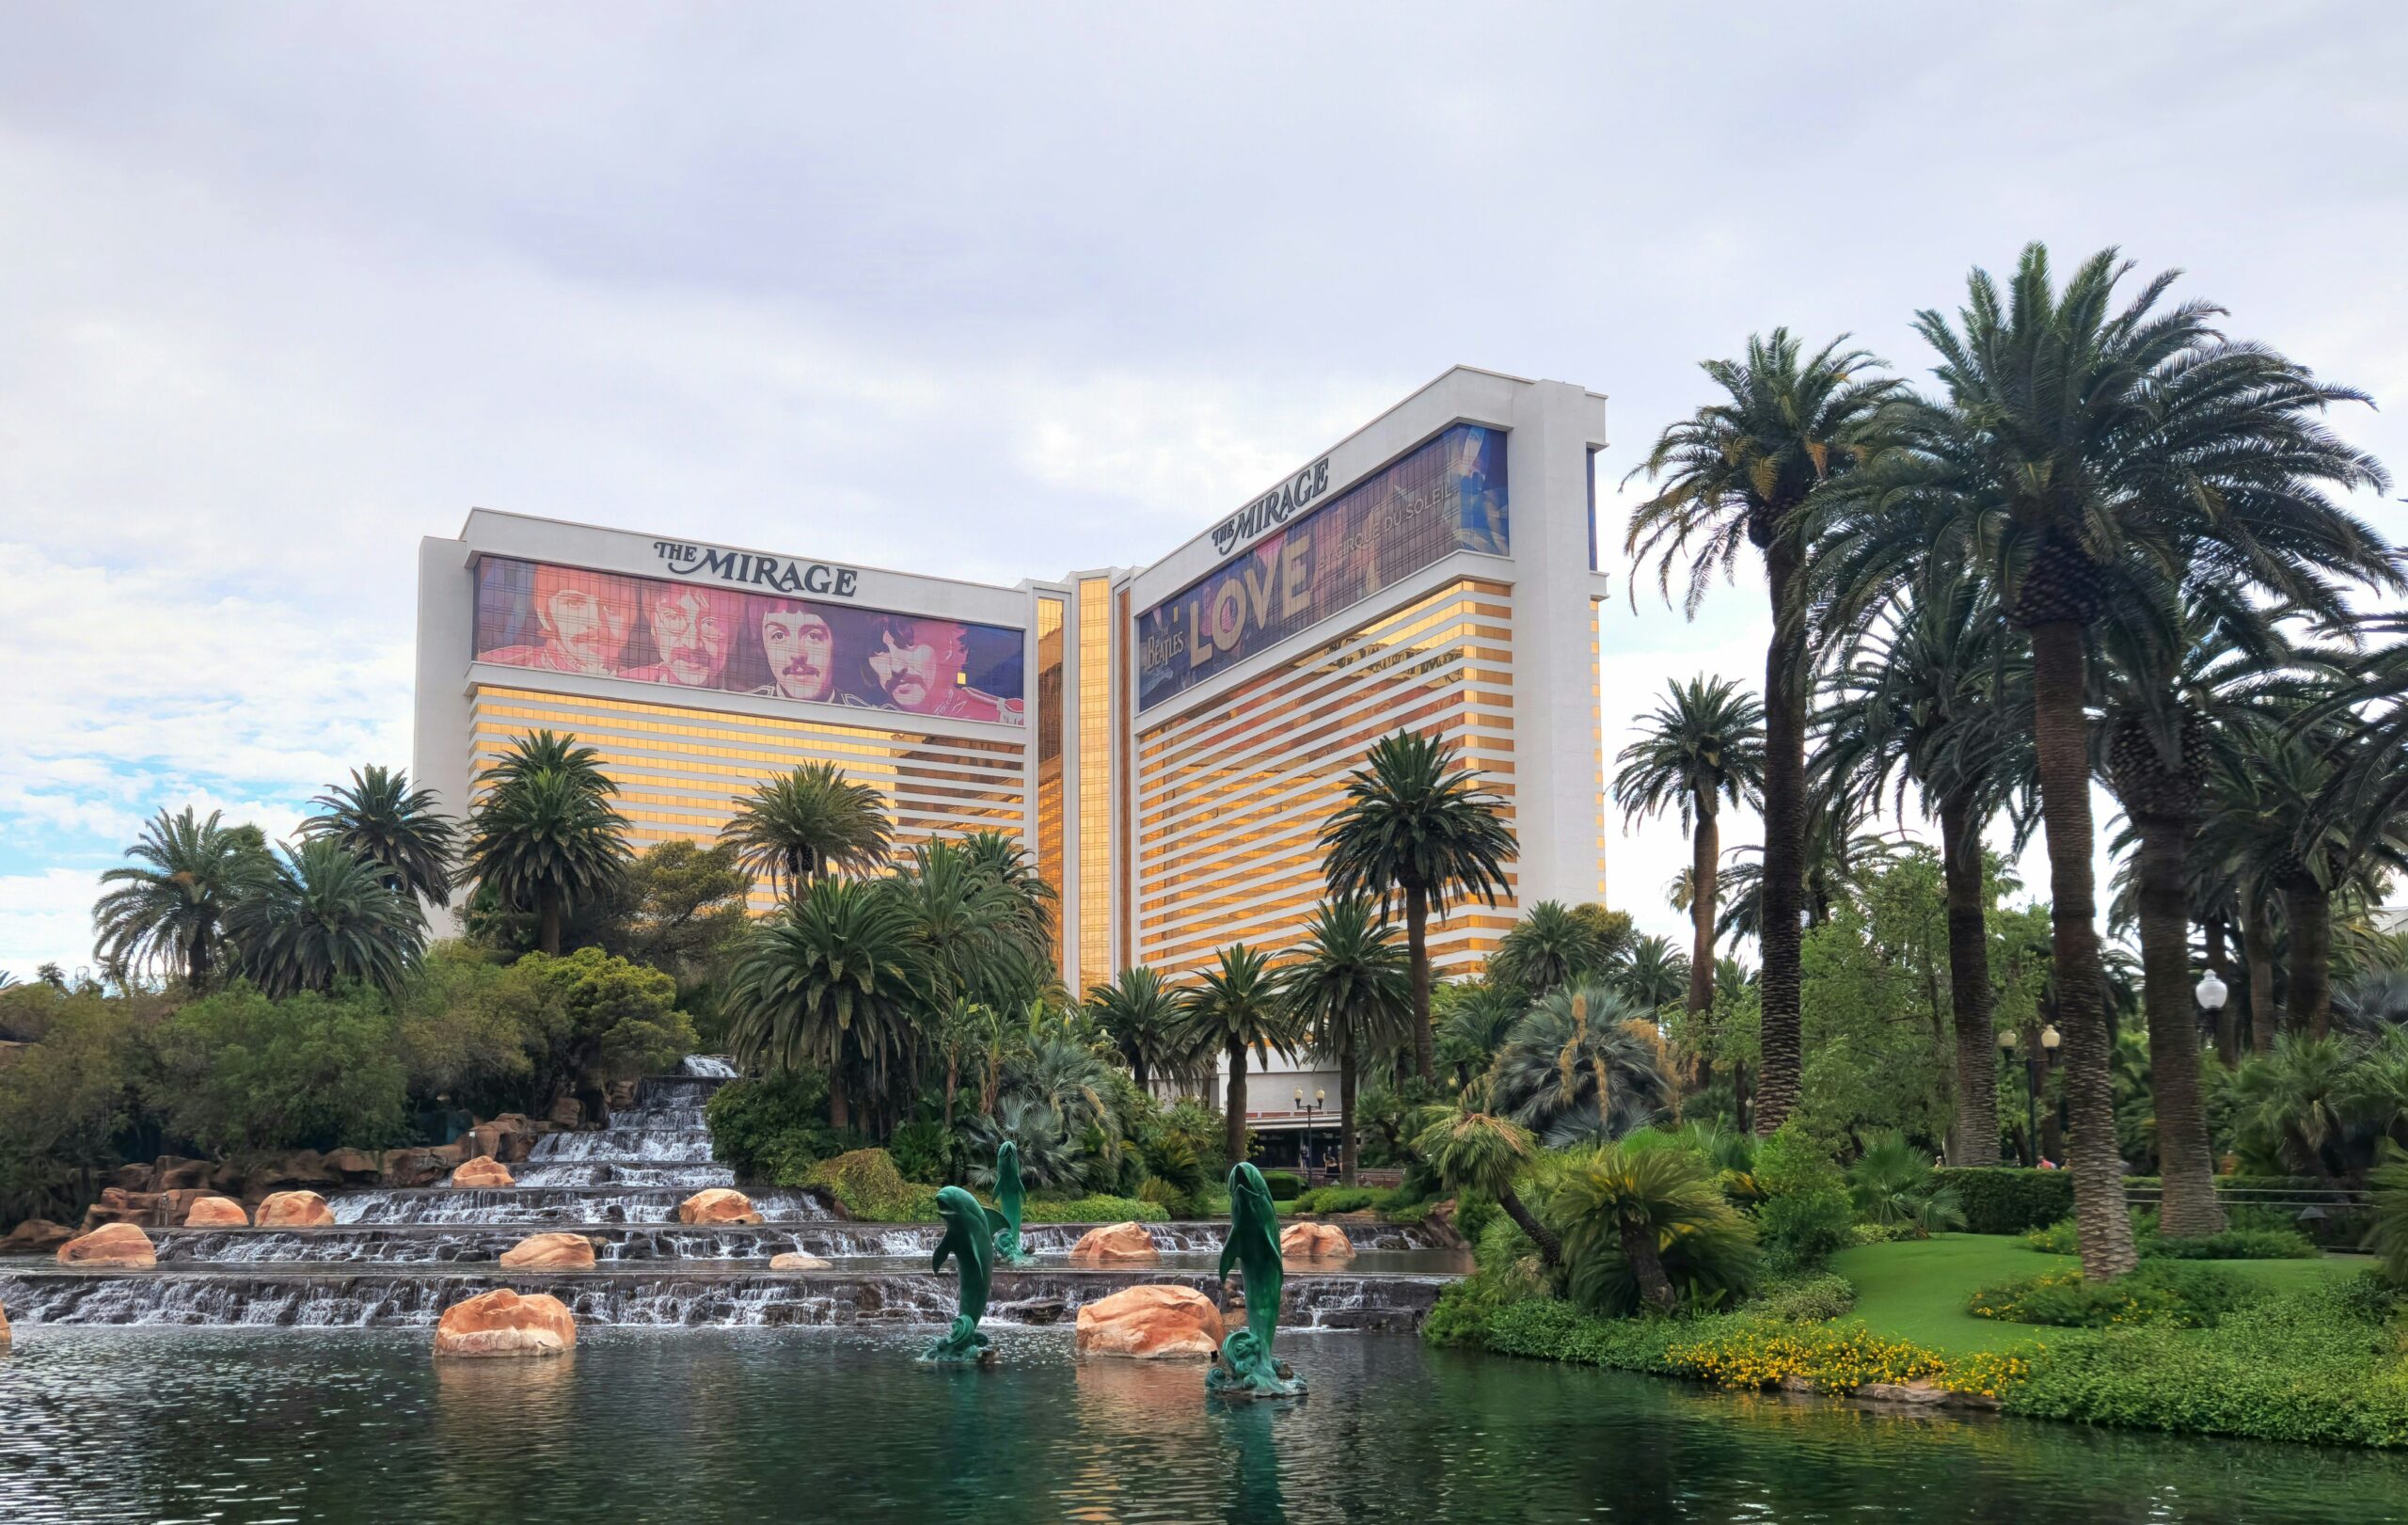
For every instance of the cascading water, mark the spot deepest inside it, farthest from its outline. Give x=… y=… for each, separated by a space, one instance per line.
x=400 y=1255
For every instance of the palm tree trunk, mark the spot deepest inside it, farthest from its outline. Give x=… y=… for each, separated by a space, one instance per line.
x=1785 y=860
x=839 y=1111
x=548 y=914
x=2308 y=907
x=2184 y=1159
x=1417 y=950
x=1968 y=986
x=2258 y=952
x=1550 y=1248
x=2061 y=734
x=1647 y=1264
x=1235 y=1137
x=1346 y=1112
x=1137 y=1072
x=196 y=961
x=1705 y=853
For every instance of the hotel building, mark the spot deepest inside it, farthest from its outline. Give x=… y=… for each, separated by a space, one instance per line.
x=1167 y=741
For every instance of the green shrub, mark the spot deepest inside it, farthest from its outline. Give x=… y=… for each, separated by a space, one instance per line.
x=1803 y=1211
x=1093 y=1208
x=870 y=1188
x=1286 y=1186
x=773 y=1129
x=2007 y=1199
x=2387 y=1231
x=239 y=1072
x=1322 y=1200
x=1167 y=1201
x=922 y=1151
x=2063 y=1237
x=2237 y=1243
x=2173 y=1293
x=1808 y=1299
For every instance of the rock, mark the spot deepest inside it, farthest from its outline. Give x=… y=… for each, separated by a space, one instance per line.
x=36 y=1236
x=484 y=1172
x=215 y=1212
x=353 y=1163
x=502 y=1322
x=568 y=1112
x=1323 y=1241
x=110 y=1246
x=411 y=1168
x=717 y=1204
x=1041 y=1311
x=1126 y=1243
x=795 y=1259
x=132 y=1177
x=1921 y=1393
x=119 y=1205
x=1151 y=1323
x=295 y=1209
x=4 y=1333
x=173 y=1173
x=517 y=1137
x=549 y=1252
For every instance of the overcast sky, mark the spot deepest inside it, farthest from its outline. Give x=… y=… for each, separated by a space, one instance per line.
x=990 y=292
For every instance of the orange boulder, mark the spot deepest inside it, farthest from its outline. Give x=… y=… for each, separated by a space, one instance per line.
x=216 y=1213
x=1323 y=1241
x=484 y=1172
x=110 y=1246
x=295 y=1209
x=1151 y=1324
x=795 y=1259
x=549 y=1252
x=717 y=1205
x=1125 y=1244
x=502 y=1322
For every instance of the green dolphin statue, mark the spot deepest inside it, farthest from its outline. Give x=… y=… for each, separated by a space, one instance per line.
x=1246 y=1367
x=970 y=1241
x=1009 y=1192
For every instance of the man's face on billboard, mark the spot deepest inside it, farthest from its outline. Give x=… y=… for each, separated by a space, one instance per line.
x=802 y=651
x=691 y=629
x=584 y=628
x=915 y=671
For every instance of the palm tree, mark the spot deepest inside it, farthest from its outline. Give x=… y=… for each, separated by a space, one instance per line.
x=1933 y=694
x=1233 y=1008
x=1751 y=471
x=832 y=982
x=802 y=824
x=2091 y=455
x=1000 y=857
x=1415 y=824
x=544 y=836
x=1653 y=973
x=1705 y=744
x=1582 y=1063
x=1473 y=1151
x=974 y=933
x=1550 y=945
x=170 y=907
x=1142 y=1015
x=378 y=817
x=1352 y=991
x=324 y=915
x=1630 y=1203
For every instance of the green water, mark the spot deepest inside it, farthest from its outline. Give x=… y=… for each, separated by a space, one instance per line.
x=707 y=1425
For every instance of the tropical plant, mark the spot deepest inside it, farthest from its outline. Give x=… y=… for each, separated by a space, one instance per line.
x=1351 y=993
x=545 y=835
x=1477 y=1152
x=379 y=817
x=322 y=917
x=2387 y=1227
x=1752 y=470
x=1416 y=825
x=1233 y=1006
x=974 y=937
x=1891 y=1185
x=1702 y=747
x=1653 y=974
x=803 y=823
x=1048 y=1156
x=1582 y=1063
x=1549 y=945
x=1140 y=1013
x=1644 y=1225
x=834 y=981
x=168 y=910
x=1473 y=1016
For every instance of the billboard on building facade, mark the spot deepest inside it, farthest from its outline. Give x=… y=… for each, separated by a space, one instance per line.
x=562 y=619
x=1446 y=496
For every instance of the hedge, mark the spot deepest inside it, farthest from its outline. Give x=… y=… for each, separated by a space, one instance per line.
x=2008 y=1199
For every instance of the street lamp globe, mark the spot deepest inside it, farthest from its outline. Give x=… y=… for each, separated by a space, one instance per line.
x=2006 y=1040
x=2051 y=1037
x=2210 y=992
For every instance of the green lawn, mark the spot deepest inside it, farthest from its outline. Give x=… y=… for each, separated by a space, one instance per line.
x=1918 y=1291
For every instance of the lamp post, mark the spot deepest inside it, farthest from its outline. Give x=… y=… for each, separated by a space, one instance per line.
x=2035 y=1063
x=2211 y=993
x=1310 y=1110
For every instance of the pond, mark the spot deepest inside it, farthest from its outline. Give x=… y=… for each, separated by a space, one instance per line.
x=737 y=1425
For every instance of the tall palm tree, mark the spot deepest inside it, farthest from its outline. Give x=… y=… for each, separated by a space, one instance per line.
x=1549 y=945
x=2093 y=453
x=1000 y=857
x=975 y=935
x=1701 y=747
x=168 y=910
x=1651 y=973
x=544 y=836
x=324 y=915
x=1581 y=1064
x=1353 y=992
x=378 y=817
x=1475 y=1150
x=1141 y=1014
x=1417 y=825
x=834 y=981
x=1233 y=1007
x=1931 y=691
x=1750 y=470
x=802 y=824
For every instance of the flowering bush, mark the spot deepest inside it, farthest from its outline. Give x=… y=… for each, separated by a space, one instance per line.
x=1836 y=1357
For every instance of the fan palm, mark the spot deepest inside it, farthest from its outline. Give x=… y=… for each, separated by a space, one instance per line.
x=834 y=981
x=1234 y=1007
x=379 y=817
x=1353 y=994
x=1582 y=1063
x=1703 y=746
x=2092 y=454
x=1548 y=945
x=1417 y=825
x=324 y=915
x=1141 y=1014
x=546 y=837
x=1478 y=1151
x=1751 y=471
x=802 y=824
x=168 y=910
